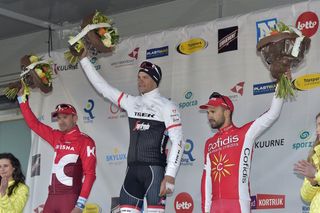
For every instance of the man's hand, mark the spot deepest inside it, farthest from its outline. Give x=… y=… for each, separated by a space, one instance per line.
x=21 y=91
x=305 y=168
x=84 y=53
x=76 y=210
x=4 y=185
x=164 y=189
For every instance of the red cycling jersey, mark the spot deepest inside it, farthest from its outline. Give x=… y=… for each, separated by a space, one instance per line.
x=228 y=154
x=75 y=157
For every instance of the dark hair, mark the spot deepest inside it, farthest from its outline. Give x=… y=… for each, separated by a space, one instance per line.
x=317 y=142
x=17 y=174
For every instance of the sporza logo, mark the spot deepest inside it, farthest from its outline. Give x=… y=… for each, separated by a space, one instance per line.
x=264 y=26
x=187 y=158
x=89 y=110
x=189 y=101
x=305 y=140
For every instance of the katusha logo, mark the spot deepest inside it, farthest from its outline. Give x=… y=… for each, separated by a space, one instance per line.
x=220 y=167
x=308 y=23
x=183 y=203
x=238 y=88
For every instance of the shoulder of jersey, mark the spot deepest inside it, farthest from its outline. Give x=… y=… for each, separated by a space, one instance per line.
x=86 y=136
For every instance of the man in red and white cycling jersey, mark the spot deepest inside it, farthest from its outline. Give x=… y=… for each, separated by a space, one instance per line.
x=228 y=154
x=73 y=171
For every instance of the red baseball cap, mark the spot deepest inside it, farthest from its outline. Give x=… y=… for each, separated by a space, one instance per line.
x=216 y=100
x=64 y=109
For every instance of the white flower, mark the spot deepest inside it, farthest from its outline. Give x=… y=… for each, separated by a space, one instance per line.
x=107 y=35
x=107 y=42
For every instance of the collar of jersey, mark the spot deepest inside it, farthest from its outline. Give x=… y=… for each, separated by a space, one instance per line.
x=227 y=128
x=151 y=94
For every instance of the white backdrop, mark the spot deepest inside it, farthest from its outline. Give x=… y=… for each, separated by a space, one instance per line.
x=213 y=56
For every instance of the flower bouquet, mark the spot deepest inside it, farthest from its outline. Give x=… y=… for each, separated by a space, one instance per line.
x=36 y=73
x=283 y=49
x=99 y=32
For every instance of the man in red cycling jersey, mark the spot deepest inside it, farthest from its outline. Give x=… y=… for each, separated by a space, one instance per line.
x=228 y=154
x=73 y=171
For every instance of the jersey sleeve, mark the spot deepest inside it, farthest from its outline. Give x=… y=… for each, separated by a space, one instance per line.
x=308 y=191
x=16 y=202
x=89 y=161
x=204 y=181
x=44 y=131
x=266 y=120
x=103 y=87
x=173 y=126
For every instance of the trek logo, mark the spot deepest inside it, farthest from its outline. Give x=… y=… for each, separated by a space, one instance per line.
x=142 y=114
x=58 y=169
x=308 y=23
x=268 y=201
x=238 y=88
x=134 y=53
x=230 y=141
x=157 y=52
x=246 y=165
x=183 y=203
x=64 y=147
x=264 y=27
x=228 y=39
x=187 y=157
x=141 y=126
x=264 y=88
x=88 y=109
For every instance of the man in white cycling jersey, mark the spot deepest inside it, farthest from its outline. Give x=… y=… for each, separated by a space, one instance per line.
x=153 y=119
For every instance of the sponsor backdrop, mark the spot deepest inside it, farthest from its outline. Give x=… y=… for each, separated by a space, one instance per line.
x=195 y=60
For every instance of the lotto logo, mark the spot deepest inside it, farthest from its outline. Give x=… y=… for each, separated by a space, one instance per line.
x=183 y=203
x=308 y=23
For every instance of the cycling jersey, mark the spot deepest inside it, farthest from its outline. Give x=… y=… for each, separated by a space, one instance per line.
x=228 y=154
x=150 y=116
x=74 y=159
